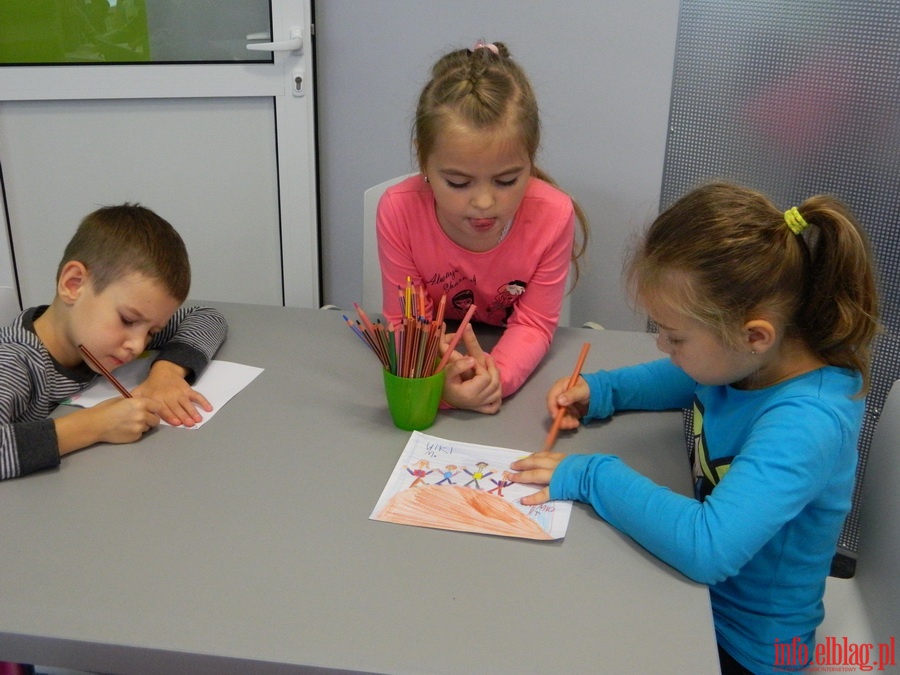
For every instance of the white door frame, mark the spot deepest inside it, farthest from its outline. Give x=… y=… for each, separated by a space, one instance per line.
x=294 y=120
x=9 y=293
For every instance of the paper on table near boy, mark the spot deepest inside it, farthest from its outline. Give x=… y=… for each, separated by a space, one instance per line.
x=452 y=485
x=218 y=383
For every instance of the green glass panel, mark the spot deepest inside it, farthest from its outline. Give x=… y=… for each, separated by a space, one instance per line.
x=128 y=31
x=73 y=31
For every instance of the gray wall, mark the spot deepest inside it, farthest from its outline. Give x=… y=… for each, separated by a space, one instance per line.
x=602 y=70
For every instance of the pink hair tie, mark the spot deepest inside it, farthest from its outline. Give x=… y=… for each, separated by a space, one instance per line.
x=481 y=44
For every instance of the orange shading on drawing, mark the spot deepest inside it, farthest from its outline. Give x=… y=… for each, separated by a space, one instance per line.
x=435 y=500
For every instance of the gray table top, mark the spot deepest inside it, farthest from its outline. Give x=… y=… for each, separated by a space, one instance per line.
x=246 y=545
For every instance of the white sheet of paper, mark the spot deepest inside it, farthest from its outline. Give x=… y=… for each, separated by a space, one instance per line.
x=219 y=383
x=452 y=485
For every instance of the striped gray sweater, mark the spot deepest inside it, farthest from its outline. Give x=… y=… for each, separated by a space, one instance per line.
x=32 y=383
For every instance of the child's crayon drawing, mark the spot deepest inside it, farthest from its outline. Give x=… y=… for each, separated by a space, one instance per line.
x=451 y=485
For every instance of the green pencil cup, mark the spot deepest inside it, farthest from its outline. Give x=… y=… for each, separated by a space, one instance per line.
x=413 y=401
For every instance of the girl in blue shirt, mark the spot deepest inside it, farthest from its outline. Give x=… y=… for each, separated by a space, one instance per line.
x=767 y=320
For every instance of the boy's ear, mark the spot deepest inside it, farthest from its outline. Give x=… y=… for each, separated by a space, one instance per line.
x=73 y=278
x=760 y=335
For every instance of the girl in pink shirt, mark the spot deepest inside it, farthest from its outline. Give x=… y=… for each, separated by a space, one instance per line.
x=481 y=223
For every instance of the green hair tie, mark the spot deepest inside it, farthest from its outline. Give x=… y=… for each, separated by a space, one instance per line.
x=795 y=221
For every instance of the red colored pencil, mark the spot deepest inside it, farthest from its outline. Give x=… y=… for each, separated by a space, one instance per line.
x=108 y=375
x=456 y=338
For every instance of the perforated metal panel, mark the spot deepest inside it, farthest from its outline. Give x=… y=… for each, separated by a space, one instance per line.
x=796 y=98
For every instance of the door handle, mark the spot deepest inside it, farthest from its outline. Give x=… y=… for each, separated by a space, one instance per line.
x=294 y=44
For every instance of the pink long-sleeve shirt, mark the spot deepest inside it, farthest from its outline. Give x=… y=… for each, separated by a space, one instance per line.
x=518 y=284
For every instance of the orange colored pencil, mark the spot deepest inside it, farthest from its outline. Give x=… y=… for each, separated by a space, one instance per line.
x=421 y=296
x=554 y=429
x=439 y=318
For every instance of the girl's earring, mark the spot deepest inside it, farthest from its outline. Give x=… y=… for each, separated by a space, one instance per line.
x=426 y=179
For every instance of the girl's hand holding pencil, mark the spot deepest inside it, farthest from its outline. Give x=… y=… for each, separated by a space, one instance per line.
x=573 y=400
x=567 y=405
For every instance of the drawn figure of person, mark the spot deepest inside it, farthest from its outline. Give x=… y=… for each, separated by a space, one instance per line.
x=419 y=472
x=502 y=483
x=478 y=475
x=463 y=300
x=507 y=296
x=449 y=472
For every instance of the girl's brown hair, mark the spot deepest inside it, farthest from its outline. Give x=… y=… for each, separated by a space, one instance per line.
x=735 y=257
x=485 y=91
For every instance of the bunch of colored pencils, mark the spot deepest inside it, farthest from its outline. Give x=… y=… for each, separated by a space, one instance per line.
x=412 y=348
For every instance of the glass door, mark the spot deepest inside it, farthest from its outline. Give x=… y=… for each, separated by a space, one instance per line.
x=200 y=110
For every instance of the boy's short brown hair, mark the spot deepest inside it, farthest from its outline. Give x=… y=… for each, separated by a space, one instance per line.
x=114 y=241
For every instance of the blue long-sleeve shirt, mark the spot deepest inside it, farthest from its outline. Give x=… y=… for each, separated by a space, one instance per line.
x=774 y=472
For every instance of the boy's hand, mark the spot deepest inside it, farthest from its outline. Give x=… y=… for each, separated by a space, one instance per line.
x=117 y=420
x=538 y=469
x=472 y=382
x=125 y=420
x=178 y=401
x=574 y=400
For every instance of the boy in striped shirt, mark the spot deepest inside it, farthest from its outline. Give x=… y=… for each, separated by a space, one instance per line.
x=120 y=286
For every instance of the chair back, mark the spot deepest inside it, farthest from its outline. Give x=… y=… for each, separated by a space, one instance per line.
x=371 y=290
x=878 y=557
x=885 y=370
